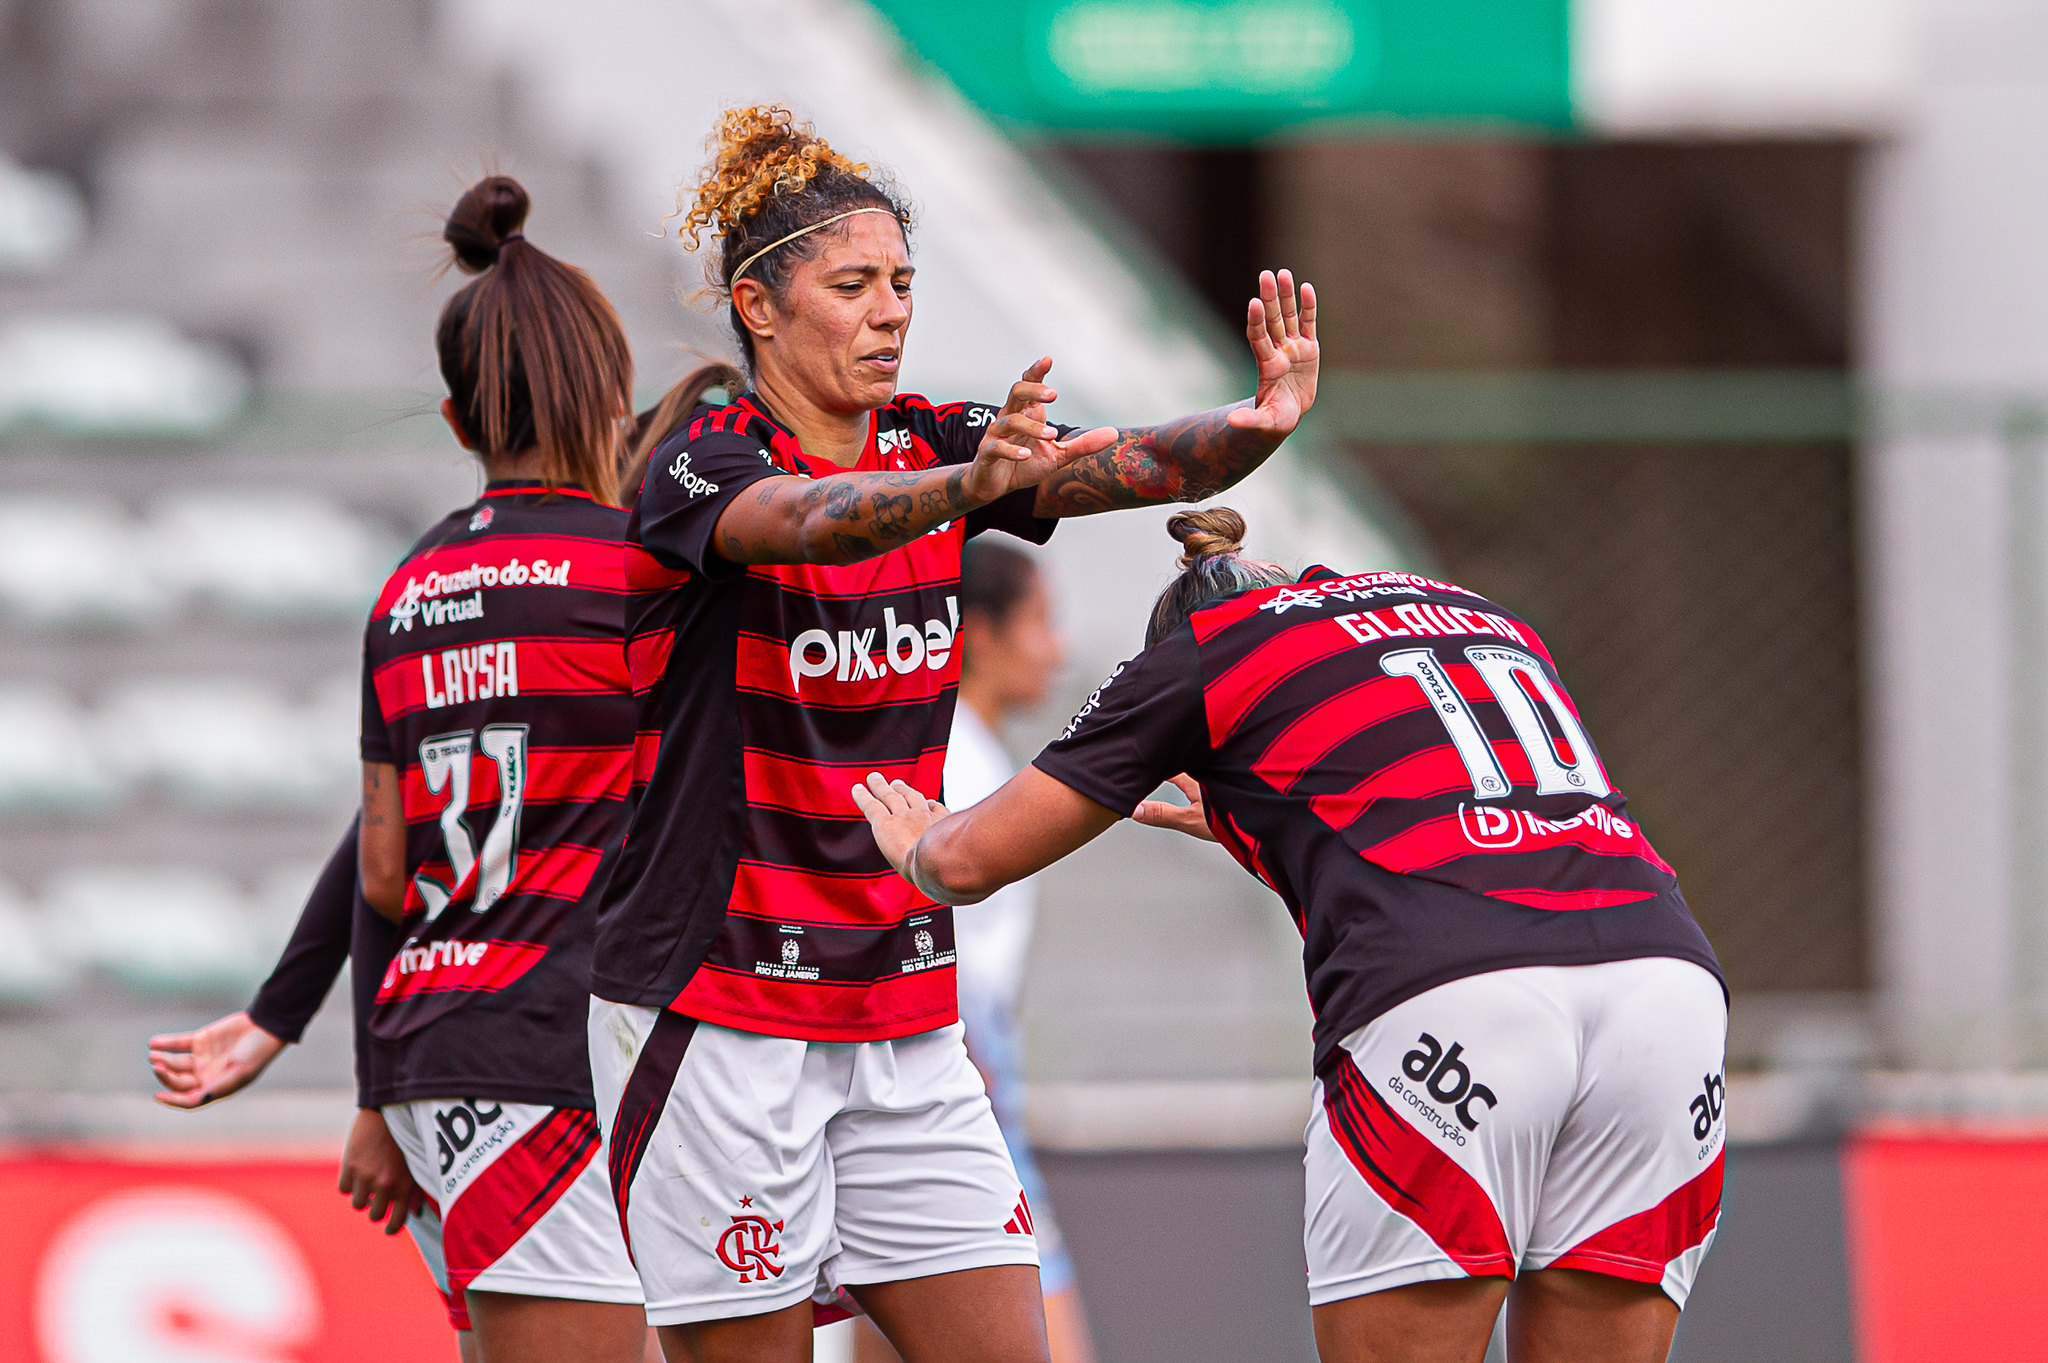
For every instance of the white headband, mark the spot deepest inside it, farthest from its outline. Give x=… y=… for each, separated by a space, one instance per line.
x=803 y=232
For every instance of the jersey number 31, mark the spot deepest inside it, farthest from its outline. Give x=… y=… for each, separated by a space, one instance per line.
x=445 y=764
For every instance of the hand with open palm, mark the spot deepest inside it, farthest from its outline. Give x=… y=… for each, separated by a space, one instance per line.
x=1282 y=332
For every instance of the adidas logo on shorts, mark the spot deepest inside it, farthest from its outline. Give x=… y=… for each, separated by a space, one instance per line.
x=1020 y=1219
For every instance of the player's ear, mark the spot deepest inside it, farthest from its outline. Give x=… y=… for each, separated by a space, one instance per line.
x=754 y=305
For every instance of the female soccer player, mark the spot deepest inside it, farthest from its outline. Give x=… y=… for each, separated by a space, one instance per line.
x=774 y=1036
x=1010 y=652
x=496 y=744
x=1519 y=1027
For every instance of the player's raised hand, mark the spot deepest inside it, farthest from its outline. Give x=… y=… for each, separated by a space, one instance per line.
x=1190 y=818
x=1282 y=332
x=374 y=1174
x=898 y=815
x=223 y=1057
x=1020 y=449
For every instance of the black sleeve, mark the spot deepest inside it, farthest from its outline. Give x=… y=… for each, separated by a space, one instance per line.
x=960 y=427
x=373 y=941
x=297 y=987
x=1144 y=724
x=688 y=486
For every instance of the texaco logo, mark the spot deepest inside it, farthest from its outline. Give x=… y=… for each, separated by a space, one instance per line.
x=789 y=950
x=923 y=942
x=748 y=1246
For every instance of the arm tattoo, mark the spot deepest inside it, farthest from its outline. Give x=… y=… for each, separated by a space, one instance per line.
x=847 y=517
x=1178 y=461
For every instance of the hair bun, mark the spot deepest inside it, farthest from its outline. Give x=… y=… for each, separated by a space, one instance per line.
x=1219 y=530
x=489 y=213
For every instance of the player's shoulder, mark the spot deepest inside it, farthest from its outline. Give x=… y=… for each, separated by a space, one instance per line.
x=920 y=414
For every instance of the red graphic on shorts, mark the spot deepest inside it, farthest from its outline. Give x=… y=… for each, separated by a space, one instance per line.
x=749 y=1248
x=1020 y=1219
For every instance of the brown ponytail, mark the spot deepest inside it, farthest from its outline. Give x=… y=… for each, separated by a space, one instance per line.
x=771 y=176
x=1212 y=567
x=653 y=426
x=532 y=351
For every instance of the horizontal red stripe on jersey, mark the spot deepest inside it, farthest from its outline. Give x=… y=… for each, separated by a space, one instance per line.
x=559 y=872
x=1571 y=901
x=470 y=967
x=647 y=658
x=787 y=894
x=552 y=774
x=806 y=1011
x=930 y=560
x=646 y=751
x=527 y=666
x=1463 y=834
x=849 y=670
x=1250 y=679
x=824 y=788
x=488 y=562
x=646 y=573
x=1342 y=717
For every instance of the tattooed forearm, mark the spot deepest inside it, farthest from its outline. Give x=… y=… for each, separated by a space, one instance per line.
x=843 y=517
x=1178 y=461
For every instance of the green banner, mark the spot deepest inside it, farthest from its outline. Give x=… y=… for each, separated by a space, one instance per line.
x=1237 y=70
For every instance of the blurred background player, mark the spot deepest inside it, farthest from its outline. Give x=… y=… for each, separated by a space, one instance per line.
x=774 y=1031
x=496 y=745
x=1010 y=653
x=1519 y=1028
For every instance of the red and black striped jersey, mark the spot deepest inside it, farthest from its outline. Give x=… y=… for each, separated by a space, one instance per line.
x=749 y=892
x=494 y=680
x=1399 y=760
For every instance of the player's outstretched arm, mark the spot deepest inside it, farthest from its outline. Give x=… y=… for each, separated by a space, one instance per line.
x=964 y=858
x=1199 y=456
x=848 y=517
x=223 y=1057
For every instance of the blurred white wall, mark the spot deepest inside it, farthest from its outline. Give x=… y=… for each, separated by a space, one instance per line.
x=1956 y=574
x=1744 y=66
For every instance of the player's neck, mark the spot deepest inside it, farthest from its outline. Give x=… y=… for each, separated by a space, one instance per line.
x=838 y=437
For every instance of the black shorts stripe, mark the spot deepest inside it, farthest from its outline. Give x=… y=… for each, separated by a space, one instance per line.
x=640 y=1104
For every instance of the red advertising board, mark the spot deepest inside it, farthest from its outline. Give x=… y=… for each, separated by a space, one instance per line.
x=1948 y=1246
x=119 y=1261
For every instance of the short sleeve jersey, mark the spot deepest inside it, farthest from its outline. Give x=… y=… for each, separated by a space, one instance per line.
x=1399 y=760
x=749 y=892
x=494 y=680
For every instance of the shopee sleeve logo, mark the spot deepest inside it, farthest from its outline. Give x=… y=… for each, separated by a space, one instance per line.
x=855 y=654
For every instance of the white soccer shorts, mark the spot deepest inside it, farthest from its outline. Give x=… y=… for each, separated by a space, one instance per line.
x=754 y=1172
x=520 y=1202
x=1539 y=1117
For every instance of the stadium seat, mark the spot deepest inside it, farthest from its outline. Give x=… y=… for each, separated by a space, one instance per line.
x=164 y=930
x=67 y=560
x=268 y=554
x=219 y=741
x=31 y=969
x=48 y=758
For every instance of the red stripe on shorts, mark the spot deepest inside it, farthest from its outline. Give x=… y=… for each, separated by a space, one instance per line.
x=1413 y=1176
x=515 y=1192
x=1640 y=1247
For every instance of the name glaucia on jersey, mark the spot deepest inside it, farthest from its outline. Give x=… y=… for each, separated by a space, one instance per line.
x=858 y=655
x=422 y=598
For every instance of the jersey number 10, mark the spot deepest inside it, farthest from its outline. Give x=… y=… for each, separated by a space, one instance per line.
x=1504 y=670
x=444 y=763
